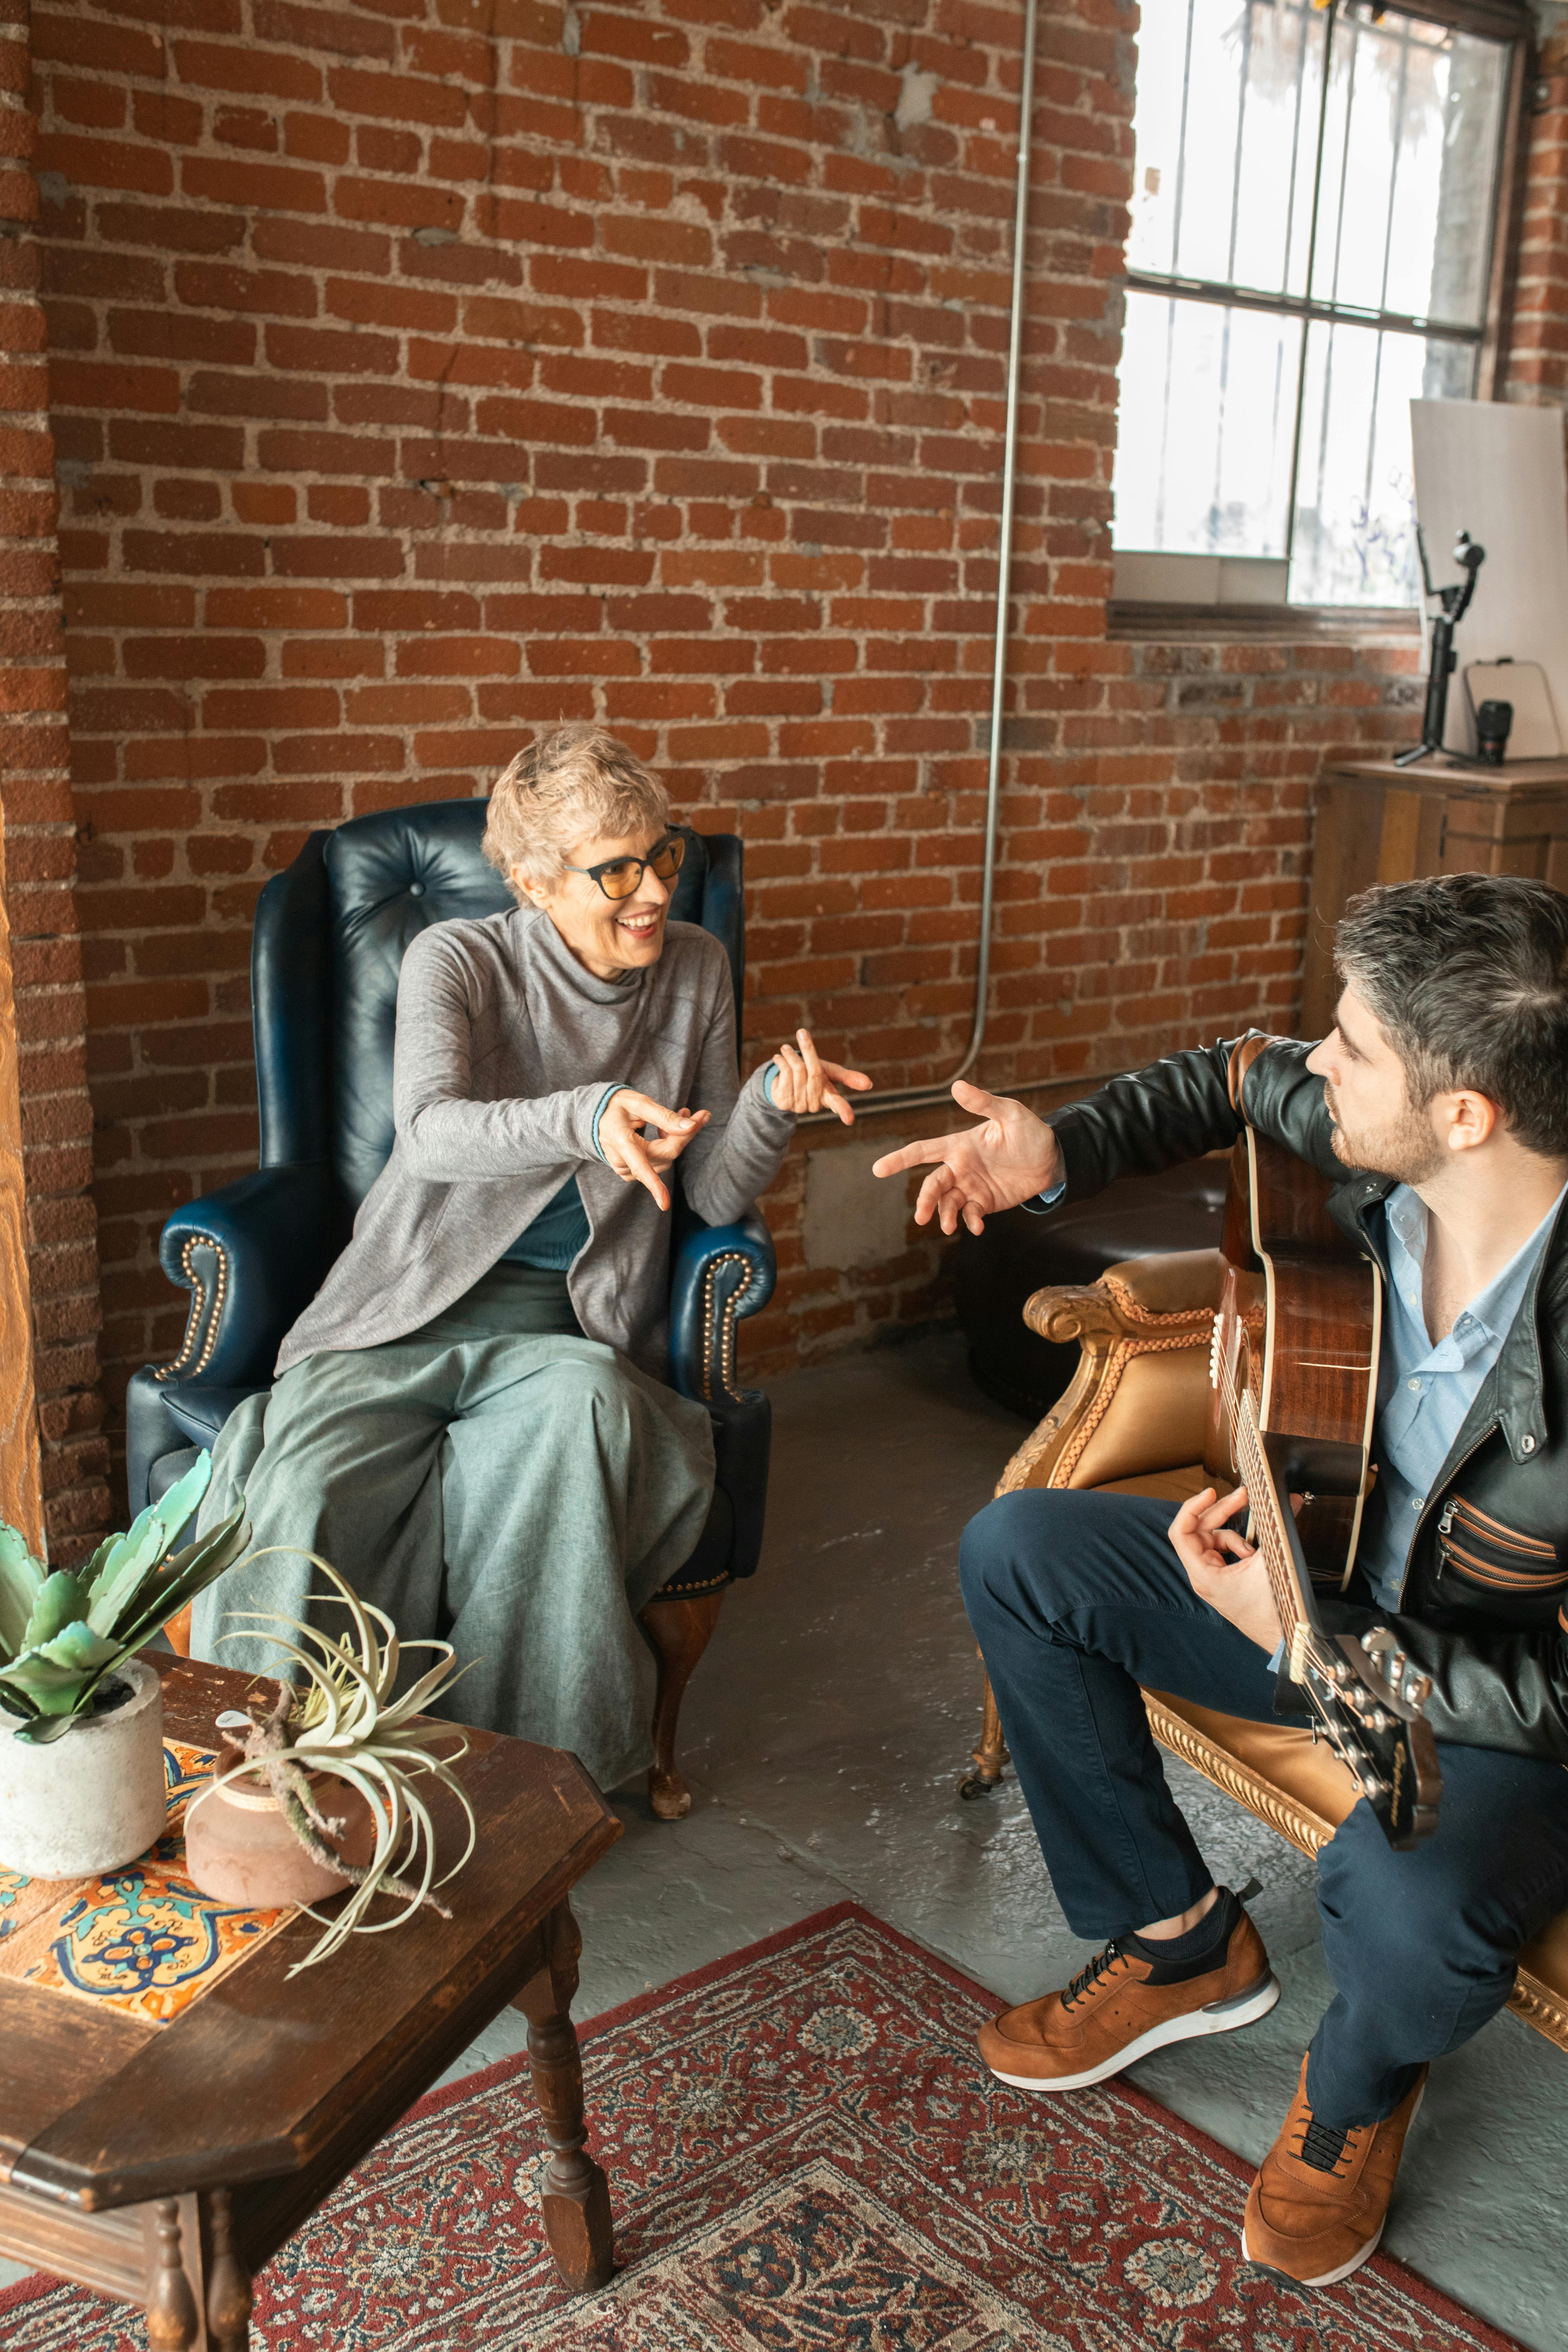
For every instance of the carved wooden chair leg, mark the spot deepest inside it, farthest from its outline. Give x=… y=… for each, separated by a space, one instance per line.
x=575 y=2196
x=679 y=1630
x=992 y=1753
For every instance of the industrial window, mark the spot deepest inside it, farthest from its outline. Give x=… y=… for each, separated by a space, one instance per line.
x=1315 y=225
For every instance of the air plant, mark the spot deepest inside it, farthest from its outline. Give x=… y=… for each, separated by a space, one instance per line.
x=345 y=1721
x=63 y=1635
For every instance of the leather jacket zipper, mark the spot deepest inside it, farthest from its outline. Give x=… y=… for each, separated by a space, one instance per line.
x=1446 y=1520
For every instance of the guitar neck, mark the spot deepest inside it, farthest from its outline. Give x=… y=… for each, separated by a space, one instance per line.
x=1273 y=1531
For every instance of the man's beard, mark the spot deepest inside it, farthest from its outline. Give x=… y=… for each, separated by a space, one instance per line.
x=1404 y=1147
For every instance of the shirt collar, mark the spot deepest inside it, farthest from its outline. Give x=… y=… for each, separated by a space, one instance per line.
x=1488 y=1315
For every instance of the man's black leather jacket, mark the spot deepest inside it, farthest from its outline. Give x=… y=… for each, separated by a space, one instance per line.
x=1482 y=1609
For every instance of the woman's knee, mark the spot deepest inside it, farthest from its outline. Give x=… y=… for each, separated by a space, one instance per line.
x=587 y=1384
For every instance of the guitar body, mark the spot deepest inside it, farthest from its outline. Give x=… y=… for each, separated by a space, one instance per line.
x=1293 y=1385
x=1298 y=1327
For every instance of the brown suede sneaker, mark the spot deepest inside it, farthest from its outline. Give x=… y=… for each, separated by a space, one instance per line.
x=1124 y=2004
x=1318 y=2205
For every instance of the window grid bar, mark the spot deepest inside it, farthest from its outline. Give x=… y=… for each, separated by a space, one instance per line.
x=1398 y=145
x=1296 y=306
x=1301 y=54
x=1240 y=141
x=1182 y=139
x=1290 y=496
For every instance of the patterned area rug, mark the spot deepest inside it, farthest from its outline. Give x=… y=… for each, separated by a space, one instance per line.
x=803 y=2155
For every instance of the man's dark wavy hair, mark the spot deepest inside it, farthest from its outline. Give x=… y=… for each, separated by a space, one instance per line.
x=1467 y=975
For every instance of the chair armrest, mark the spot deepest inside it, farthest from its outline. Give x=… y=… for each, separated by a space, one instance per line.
x=252 y=1256
x=721 y=1274
x=1141 y=1293
x=1139 y=1401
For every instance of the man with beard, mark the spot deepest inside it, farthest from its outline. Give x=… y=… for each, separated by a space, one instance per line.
x=1439 y=1103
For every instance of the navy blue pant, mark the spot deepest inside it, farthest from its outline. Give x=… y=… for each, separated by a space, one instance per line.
x=1075 y=1600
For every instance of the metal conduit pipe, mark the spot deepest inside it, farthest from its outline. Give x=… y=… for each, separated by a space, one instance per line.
x=906 y=1097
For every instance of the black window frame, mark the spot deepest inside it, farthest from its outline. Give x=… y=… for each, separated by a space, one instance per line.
x=1509 y=22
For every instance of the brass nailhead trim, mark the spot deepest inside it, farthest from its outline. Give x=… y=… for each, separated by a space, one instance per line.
x=726 y=1334
x=198 y=1313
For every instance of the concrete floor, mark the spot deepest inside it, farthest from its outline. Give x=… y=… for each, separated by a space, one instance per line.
x=823 y=1738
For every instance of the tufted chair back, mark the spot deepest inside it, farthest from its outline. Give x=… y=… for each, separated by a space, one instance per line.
x=330 y=934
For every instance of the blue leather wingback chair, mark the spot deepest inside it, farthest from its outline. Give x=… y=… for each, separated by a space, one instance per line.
x=329 y=937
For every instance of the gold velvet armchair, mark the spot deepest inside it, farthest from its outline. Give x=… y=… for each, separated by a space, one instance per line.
x=1132 y=1422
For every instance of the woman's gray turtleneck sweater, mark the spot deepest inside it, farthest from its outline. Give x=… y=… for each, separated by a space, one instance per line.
x=505 y=1046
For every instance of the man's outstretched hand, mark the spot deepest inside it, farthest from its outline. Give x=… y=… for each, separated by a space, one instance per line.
x=1010 y=1159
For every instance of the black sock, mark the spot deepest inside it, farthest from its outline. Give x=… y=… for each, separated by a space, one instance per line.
x=1211 y=1931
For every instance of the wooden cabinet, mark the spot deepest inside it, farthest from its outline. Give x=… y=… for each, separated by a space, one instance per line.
x=1378 y=823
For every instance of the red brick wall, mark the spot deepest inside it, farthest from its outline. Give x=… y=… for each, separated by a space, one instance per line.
x=1538 y=365
x=39 y=860
x=424 y=370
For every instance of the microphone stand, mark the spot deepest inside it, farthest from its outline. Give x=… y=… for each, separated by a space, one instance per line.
x=1453 y=603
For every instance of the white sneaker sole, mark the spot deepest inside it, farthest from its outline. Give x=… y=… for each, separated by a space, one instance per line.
x=1332 y=2278
x=1328 y=2278
x=1220 y=2017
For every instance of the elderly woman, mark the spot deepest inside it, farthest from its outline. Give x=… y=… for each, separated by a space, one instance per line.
x=468 y=1420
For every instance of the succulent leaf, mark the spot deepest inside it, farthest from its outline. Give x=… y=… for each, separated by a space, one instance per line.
x=78 y=1627
x=185 y=1495
x=60 y=1602
x=57 y=1674
x=120 y=1570
x=21 y=1578
x=182 y=1578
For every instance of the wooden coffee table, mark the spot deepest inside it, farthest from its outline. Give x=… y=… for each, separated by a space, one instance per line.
x=164 y=2164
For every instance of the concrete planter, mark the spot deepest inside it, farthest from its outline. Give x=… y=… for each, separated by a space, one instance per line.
x=92 y=1800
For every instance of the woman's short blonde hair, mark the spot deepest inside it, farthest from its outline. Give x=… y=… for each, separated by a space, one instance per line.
x=570 y=785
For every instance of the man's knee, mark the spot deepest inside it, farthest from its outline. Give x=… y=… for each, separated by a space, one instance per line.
x=1017 y=1554
x=1406 y=1922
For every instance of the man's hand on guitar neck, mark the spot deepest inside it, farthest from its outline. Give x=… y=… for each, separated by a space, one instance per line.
x=1224 y=1569
x=1012 y=1157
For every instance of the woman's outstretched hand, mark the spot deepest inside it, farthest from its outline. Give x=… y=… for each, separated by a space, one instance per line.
x=804 y=1082
x=985 y=1169
x=638 y=1158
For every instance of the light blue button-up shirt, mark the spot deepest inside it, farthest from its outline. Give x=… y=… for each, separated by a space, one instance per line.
x=1425 y=1391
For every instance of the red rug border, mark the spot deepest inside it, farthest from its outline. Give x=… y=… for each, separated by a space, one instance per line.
x=1432 y=2299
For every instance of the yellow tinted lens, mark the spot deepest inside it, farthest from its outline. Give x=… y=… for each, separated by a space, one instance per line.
x=619 y=880
x=667 y=862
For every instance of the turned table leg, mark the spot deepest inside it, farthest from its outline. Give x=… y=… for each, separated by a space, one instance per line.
x=576 y=2198
x=172 y=2324
x=229 y=2282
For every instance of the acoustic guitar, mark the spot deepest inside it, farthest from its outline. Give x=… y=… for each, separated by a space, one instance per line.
x=1293 y=1372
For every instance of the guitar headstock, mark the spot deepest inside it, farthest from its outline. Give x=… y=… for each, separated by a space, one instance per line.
x=1370 y=1704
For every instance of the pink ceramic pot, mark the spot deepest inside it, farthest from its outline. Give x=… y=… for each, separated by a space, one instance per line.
x=240 y=1850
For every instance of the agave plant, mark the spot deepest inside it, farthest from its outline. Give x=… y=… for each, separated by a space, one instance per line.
x=344 y=1720
x=61 y=1635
